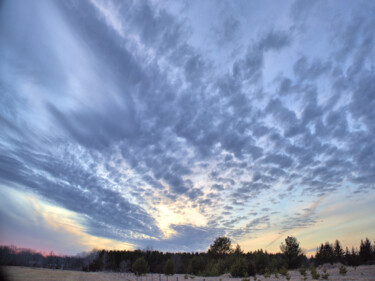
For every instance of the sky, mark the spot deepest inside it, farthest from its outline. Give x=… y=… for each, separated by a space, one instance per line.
x=165 y=124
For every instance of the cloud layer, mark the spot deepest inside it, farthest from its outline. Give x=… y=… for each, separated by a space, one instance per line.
x=165 y=129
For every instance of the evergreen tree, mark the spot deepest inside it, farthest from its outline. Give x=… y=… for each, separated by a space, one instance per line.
x=220 y=247
x=239 y=268
x=365 y=250
x=292 y=251
x=140 y=266
x=325 y=254
x=169 y=267
x=338 y=251
x=238 y=252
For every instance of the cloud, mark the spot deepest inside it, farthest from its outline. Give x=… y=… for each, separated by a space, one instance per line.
x=114 y=110
x=227 y=31
x=310 y=72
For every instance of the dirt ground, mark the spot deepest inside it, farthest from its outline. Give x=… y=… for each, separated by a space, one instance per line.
x=361 y=273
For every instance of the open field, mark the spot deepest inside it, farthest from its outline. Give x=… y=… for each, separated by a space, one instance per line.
x=362 y=273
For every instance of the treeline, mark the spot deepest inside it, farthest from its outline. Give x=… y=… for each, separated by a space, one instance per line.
x=333 y=253
x=13 y=256
x=219 y=259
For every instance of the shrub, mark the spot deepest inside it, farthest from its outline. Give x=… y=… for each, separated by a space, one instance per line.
x=325 y=276
x=140 y=266
x=186 y=276
x=287 y=276
x=267 y=273
x=239 y=268
x=246 y=279
x=283 y=271
x=343 y=270
x=302 y=270
x=314 y=274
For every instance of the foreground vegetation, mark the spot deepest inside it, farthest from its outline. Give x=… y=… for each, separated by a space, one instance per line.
x=221 y=258
x=17 y=273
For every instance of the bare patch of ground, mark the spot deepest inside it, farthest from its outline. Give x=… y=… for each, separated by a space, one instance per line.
x=17 y=273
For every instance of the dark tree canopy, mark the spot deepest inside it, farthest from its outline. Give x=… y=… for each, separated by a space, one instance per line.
x=169 y=267
x=196 y=265
x=338 y=250
x=221 y=246
x=140 y=266
x=292 y=251
x=239 y=268
x=325 y=254
x=365 y=250
x=237 y=262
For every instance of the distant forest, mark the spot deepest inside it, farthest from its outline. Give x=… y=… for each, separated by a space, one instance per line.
x=220 y=258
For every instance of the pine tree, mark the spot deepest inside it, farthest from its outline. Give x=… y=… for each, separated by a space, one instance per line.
x=169 y=267
x=338 y=251
x=292 y=251
x=365 y=250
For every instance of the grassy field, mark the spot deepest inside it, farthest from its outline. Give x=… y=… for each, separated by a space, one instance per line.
x=16 y=273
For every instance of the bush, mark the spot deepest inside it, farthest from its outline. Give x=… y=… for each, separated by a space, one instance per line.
x=239 y=268
x=283 y=271
x=302 y=270
x=267 y=273
x=186 y=276
x=325 y=276
x=140 y=266
x=314 y=274
x=343 y=270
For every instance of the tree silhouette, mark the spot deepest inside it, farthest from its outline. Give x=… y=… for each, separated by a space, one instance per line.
x=339 y=252
x=365 y=250
x=221 y=246
x=325 y=254
x=140 y=266
x=169 y=267
x=239 y=268
x=292 y=251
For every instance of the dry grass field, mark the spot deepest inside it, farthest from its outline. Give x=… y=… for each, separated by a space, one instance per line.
x=361 y=273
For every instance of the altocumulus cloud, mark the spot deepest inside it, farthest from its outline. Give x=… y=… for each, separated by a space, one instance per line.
x=114 y=109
